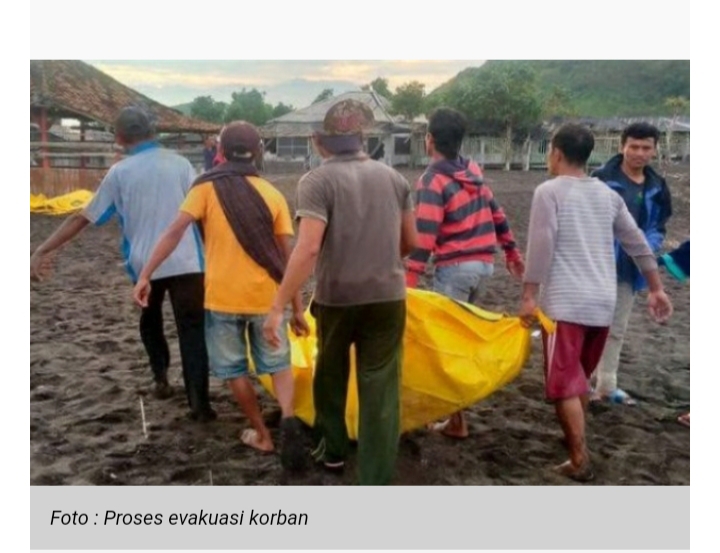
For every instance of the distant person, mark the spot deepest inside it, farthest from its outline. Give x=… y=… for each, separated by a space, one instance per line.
x=247 y=228
x=145 y=190
x=218 y=159
x=460 y=224
x=379 y=153
x=570 y=275
x=209 y=152
x=356 y=223
x=677 y=264
x=648 y=199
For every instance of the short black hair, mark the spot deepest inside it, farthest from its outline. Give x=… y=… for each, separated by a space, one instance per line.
x=447 y=127
x=640 y=131
x=575 y=142
x=135 y=124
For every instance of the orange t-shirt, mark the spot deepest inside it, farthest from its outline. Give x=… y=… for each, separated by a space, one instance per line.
x=234 y=282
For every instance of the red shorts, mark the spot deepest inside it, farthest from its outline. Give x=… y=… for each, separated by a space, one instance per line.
x=571 y=356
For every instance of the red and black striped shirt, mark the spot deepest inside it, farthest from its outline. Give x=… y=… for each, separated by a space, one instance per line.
x=458 y=217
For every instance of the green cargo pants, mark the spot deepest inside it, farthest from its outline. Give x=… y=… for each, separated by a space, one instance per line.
x=377 y=332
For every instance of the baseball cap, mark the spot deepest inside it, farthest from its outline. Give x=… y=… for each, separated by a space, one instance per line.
x=344 y=124
x=240 y=140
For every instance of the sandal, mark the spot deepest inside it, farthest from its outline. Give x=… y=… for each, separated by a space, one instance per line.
x=621 y=397
x=580 y=474
x=684 y=419
x=616 y=397
x=250 y=437
x=442 y=428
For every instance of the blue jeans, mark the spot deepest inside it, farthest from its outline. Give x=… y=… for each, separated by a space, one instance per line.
x=227 y=345
x=463 y=281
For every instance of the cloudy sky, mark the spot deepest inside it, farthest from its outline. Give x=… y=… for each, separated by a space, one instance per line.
x=292 y=82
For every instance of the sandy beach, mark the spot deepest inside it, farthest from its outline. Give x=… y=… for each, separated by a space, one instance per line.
x=89 y=373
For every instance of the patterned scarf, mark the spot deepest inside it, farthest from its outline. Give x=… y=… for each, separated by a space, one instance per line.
x=248 y=214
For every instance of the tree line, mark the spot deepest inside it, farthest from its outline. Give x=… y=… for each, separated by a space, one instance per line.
x=502 y=101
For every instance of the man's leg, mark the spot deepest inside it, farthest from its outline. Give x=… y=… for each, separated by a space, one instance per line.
x=277 y=362
x=571 y=415
x=152 y=335
x=480 y=273
x=566 y=384
x=463 y=282
x=607 y=370
x=187 y=296
x=244 y=394
x=379 y=333
x=330 y=383
x=228 y=359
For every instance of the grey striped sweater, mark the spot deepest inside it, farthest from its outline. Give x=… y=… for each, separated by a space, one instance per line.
x=571 y=252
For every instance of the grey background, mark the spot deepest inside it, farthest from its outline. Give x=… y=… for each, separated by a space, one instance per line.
x=371 y=518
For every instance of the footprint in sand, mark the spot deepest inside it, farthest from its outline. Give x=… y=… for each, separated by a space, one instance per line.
x=107 y=346
x=114 y=417
x=43 y=393
x=48 y=480
x=189 y=475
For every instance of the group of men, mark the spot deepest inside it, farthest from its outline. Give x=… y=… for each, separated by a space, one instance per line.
x=219 y=244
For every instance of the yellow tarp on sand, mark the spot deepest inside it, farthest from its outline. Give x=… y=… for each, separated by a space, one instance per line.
x=455 y=355
x=60 y=205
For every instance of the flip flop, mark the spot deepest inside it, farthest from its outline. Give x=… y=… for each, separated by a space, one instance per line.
x=616 y=397
x=441 y=427
x=583 y=474
x=438 y=426
x=621 y=397
x=249 y=438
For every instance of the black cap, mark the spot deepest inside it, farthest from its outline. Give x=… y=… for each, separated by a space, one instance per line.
x=240 y=140
x=134 y=122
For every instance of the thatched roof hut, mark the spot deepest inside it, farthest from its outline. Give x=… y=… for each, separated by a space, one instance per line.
x=73 y=89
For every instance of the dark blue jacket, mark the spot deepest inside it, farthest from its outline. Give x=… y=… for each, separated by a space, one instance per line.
x=209 y=154
x=657 y=208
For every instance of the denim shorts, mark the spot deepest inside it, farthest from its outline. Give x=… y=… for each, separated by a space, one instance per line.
x=232 y=339
x=463 y=281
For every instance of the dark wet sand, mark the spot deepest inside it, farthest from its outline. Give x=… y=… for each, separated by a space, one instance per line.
x=88 y=372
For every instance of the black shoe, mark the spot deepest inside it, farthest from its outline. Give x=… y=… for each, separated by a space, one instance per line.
x=205 y=415
x=335 y=466
x=162 y=389
x=292 y=452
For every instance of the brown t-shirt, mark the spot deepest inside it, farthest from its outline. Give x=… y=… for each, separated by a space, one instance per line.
x=362 y=202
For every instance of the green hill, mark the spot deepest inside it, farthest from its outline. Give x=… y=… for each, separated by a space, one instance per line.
x=603 y=88
x=183 y=108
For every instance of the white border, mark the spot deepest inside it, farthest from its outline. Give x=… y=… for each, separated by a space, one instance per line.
x=381 y=30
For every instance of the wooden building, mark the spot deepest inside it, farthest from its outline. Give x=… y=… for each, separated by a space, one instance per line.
x=72 y=89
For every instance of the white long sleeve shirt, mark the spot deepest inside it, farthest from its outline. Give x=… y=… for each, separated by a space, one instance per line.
x=571 y=251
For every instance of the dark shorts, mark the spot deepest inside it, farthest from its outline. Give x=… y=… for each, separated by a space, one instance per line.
x=571 y=355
